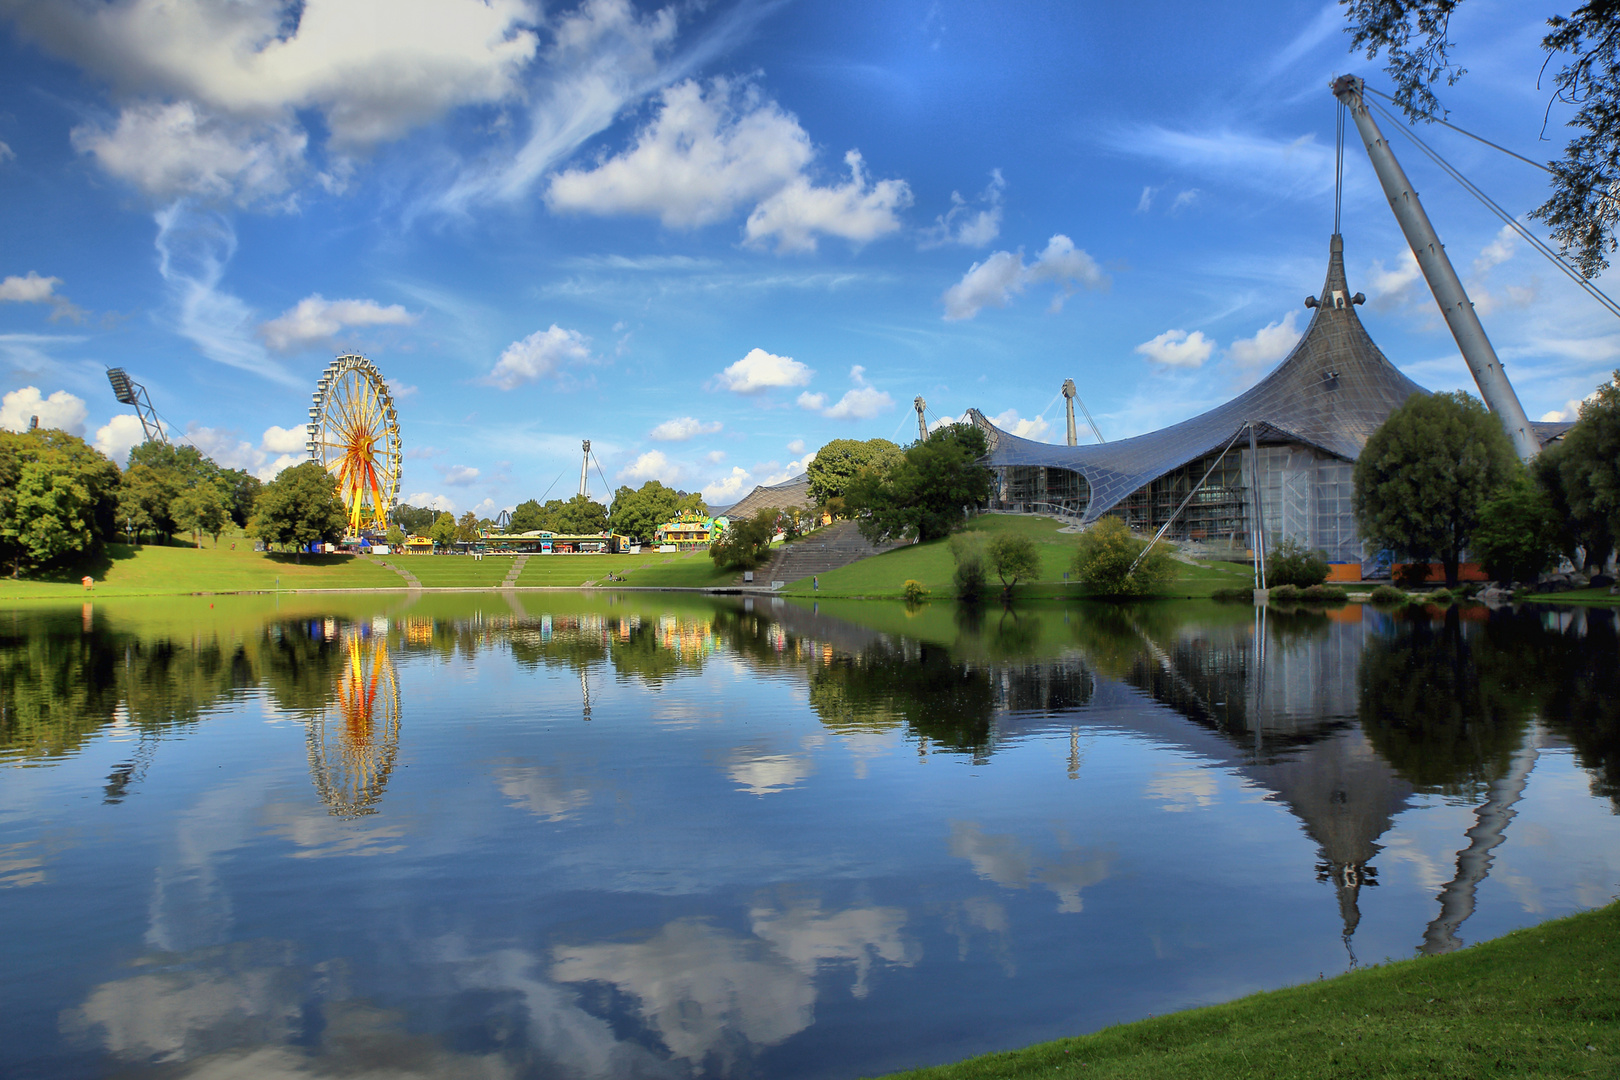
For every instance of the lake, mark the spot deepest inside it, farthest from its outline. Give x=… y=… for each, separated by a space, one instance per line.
x=656 y=835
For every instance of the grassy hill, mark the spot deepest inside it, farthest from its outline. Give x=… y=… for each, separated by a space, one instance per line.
x=885 y=575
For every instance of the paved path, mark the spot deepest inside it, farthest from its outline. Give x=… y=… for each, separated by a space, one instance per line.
x=833 y=547
x=410 y=578
x=517 y=568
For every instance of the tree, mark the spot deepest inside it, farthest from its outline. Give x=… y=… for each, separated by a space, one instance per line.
x=1583 y=537
x=1588 y=465
x=967 y=548
x=527 y=516
x=1517 y=536
x=164 y=474
x=926 y=493
x=637 y=512
x=841 y=460
x=443 y=531
x=395 y=537
x=143 y=502
x=1582 y=211
x=1292 y=563
x=1103 y=559
x=203 y=509
x=300 y=507
x=413 y=519
x=58 y=498
x=1425 y=474
x=467 y=528
x=581 y=515
x=241 y=491
x=746 y=543
x=1014 y=557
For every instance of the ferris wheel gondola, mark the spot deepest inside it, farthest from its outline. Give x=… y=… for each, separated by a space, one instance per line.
x=354 y=434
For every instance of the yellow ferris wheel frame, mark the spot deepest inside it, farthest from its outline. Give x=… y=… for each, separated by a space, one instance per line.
x=354 y=434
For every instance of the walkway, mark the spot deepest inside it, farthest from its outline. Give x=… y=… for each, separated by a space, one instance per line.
x=836 y=546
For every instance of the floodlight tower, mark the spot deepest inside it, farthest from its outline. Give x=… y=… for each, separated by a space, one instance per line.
x=922 y=423
x=584 y=467
x=130 y=392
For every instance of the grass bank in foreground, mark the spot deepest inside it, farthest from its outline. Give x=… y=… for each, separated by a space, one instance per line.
x=884 y=576
x=1540 y=1002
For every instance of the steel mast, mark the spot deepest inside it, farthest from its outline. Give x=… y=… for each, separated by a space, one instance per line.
x=584 y=467
x=1438 y=272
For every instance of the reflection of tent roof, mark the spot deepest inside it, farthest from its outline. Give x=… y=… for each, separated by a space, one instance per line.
x=792 y=494
x=1331 y=392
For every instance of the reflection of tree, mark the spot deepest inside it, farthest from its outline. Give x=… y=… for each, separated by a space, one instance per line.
x=917 y=684
x=352 y=746
x=58 y=685
x=1444 y=712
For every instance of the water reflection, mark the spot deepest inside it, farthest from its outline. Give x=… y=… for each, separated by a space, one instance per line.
x=354 y=742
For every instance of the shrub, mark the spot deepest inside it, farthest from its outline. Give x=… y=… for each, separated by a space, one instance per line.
x=1245 y=595
x=1387 y=594
x=1286 y=592
x=1014 y=558
x=746 y=543
x=1439 y=596
x=968 y=551
x=915 y=591
x=1330 y=594
x=1104 y=556
x=1292 y=563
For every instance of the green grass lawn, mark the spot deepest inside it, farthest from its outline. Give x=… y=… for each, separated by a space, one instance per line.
x=1577 y=596
x=885 y=575
x=452 y=571
x=1540 y=1002
x=690 y=569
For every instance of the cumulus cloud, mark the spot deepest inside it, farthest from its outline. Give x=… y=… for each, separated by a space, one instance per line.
x=861 y=403
x=174 y=150
x=33 y=289
x=431 y=501
x=812 y=402
x=118 y=436
x=1004 y=274
x=315 y=319
x=760 y=370
x=1498 y=251
x=1177 y=348
x=1010 y=422
x=683 y=428
x=652 y=465
x=278 y=449
x=458 y=475
x=715 y=457
x=1269 y=344
x=728 y=489
x=60 y=410
x=704 y=155
x=796 y=446
x=855 y=211
x=280 y=440
x=541 y=353
x=1391 y=288
x=966 y=225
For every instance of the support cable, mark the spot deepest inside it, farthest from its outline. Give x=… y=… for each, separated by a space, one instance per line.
x=1495 y=208
x=1477 y=138
x=1338 y=171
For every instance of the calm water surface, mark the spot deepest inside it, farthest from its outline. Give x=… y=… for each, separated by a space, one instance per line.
x=623 y=836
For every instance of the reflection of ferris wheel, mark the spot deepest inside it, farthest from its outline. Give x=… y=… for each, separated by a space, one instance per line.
x=354 y=434
x=352 y=748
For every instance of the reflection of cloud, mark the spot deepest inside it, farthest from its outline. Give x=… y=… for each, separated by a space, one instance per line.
x=541 y=792
x=19 y=868
x=1184 y=788
x=1014 y=864
x=806 y=937
x=703 y=990
x=761 y=773
x=319 y=835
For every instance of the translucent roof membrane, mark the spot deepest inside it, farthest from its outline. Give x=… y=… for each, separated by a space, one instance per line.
x=1331 y=392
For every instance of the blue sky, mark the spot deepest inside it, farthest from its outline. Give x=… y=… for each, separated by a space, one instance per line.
x=711 y=237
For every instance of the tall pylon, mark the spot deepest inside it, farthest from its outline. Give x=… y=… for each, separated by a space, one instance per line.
x=584 y=469
x=922 y=422
x=1069 y=393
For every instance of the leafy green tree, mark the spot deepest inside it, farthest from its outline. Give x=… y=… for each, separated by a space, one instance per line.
x=58 y=498
x=1586 y=468
x=395 y=537
x=925 y=494
x=581 y=514
x=144 y=498
x=241 y=491
x=637 y=512
x=203 y=509
x=967 y=548
x=1517 y=536
x=443 y=532
x=1014 y=558
x=746 y=543
x=1583 y=537
x=527 y=516
x=1103 y=558
x=1425 y=475
x=1414 y=36
x=416 y=520
x=467 y=527
x=1292 y=563
x=841 y=460
x=300 y=507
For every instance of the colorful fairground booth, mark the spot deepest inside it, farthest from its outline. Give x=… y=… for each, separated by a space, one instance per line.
x=689 y=530
x=542 y=542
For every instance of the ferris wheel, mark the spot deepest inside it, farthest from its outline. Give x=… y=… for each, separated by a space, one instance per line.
x=354 y=434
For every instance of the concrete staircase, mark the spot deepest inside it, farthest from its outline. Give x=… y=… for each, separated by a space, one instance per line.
x=833 y=547
x=517 y=568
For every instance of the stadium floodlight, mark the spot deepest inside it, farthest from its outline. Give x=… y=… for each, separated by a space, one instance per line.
x=130 y=392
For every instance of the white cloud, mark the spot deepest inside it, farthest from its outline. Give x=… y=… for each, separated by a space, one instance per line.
x=315 y=319
x=1498 y=251
x=224 y=447
x=1001 y=276
x=683 y=428
x=853 y=211
x=1145 y=203
x=1295 y=168
x=812 y=402
x=431 y=501
x=31 y=289
x=760 y=370
x=861 y=403
x=704 y=155
x=458 y=475
x=60 y=410
x=1269 y=344
x=173 y=151
x=118 y=436
x=541 y=353
x=796 y=446
x=273 y=469
x=280 y=440
x=1184 y=199
x=728 y=489
x=1024 y=429
x=963 y=225
x=715 y=457
x=1177 y=348
x=652 y=465
x=1392 y=288
x=6 y=153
